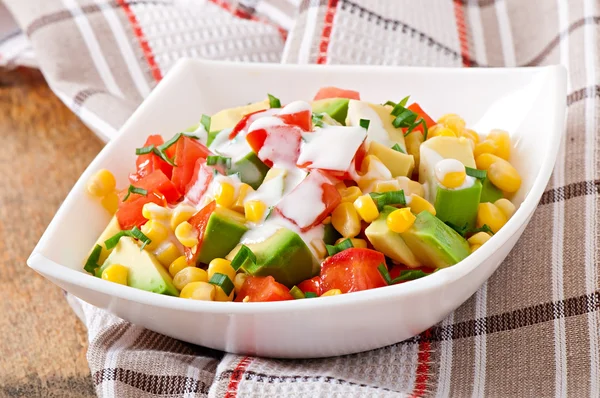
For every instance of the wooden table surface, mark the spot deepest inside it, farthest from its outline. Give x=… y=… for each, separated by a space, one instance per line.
x=44 y=150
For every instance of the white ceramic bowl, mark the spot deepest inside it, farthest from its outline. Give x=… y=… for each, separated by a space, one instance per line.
x=527 y=102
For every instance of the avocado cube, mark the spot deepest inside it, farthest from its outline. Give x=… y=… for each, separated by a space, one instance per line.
x=337 y=108
x=399 y=164
x=223 y=232
x=458 y=206
x=251 y=170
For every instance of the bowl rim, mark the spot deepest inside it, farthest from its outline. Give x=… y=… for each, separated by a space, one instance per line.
x=440 y=279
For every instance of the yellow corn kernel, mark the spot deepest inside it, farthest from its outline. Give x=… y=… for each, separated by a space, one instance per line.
x=254 y=210
x=504 y=176
x=485 y=146
x=489 y=214
x=157 y=233
x=327 y=220
x=345 y=220
x=152 y=211
x=243 y=191
x=186 y=234
x=502 y=141
x=439 y=130
x=474 y=247
x=167 y=253
x=181 y=213
x=454 y=123
x=446 y=116
x=400 y=220
x=111 y=202
x=485 y=160
x=350 y=194
x=409 y=186
x=358 y=243
x=177 y=265
x=319 y=247
x=418 y=204
x=221 y=296
x=366 y=208
x=116 y=273
x=479 y=238
x=453 y=179
x=220 y=266
x=332 y=292
x=101 y=183
x=239 y=280
x=507 y=207
x=198 y=291
x=189 y=275
x=225 y=195
x=471 y=134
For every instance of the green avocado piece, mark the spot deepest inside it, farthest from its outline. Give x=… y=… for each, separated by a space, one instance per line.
x=145 y=272
x=458 y=206
x=435 y=244
x=389 y=242
x=330 y=234
x=251 y=169
x=223 y=232
x=284 y=256
x=489 y=192
x=337 y=108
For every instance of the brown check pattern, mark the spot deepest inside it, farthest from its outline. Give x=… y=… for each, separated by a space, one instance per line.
x=533 y=330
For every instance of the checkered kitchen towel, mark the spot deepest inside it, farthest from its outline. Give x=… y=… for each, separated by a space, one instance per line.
x=531 y=330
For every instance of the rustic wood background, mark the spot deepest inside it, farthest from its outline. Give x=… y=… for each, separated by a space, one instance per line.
x=44 y=150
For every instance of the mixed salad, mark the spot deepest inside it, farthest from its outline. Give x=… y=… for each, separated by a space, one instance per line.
x=269 y=202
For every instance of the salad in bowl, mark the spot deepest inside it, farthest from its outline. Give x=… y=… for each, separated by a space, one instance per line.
x=272 y=201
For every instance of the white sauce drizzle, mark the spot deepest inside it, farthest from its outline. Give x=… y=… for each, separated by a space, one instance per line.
x=361 y=110
x=304 y=204
x=295 y=107
x=201 y=133
x=265 y=122
x=331 y=148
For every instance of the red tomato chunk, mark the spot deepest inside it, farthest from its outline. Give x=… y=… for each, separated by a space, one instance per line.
x=257 y=288
x=352 y=270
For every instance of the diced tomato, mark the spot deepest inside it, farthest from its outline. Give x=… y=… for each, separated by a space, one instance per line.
x=352 y=270
x=416 y=108
x=157 y=181
x=311 y=285
x=146 y=164
x=281 y=143
x=129 y=213
x=201 y=179
x=290 y=206
x=258 y=288
x=301 y=119
x=242 y=124
x=187 y=152
x=199 y=222
x=334 y=92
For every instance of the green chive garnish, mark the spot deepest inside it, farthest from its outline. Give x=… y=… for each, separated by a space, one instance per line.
x=274 y=102
x=405 y=275
x=243 y=256
x=484 y=228
x=205 y=121
x=398 y=148
x=132 y=189
x=215 y=160
x=310 y=295
x=297 y=293
x=479 y=174
x=343 y=245
x=144 y=150
x=92 y=262
x=364 y=123
x=134 y=232
x=317 y=119
x=388 y=198
x=384 y=273
x=223 y=282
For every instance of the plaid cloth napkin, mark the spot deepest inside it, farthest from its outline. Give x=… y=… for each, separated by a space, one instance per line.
x=532 y=330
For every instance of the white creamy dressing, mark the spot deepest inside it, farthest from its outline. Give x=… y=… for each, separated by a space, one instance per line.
x=201 y=133
x=304 y=204
x=265 y=122
x=281 y=145
x=213 y=188
x=332 y=147
x=362 y=110
x=269 y=192
x=295 y=107
x=221 y=139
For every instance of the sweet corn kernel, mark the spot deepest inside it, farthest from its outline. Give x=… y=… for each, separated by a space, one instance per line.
x=221 y=296
x=345 y=220
x=116 y=273
x=166 y=253
x=243 y=191
x=453 y=179
x=471 y=134
x=485 y=146
x=189 y=275
x=504 y=176
x=254 y=210
x=502 y=141
x=239 y=280
x=474 y=247
x=198 y=291
x=327 y=220
x=490 y=214
x=507 y=207
x=319 y=247
x=454 y=123
x=409 y=186
x=157 y=233
x=186 y=234
x=366 y=208
x=225 y=195
x=181 y=213
x=484 y=161
x=400 y=220
x=177 y=265
x=446 y=116
x=152 y=211
x=418 y=204
x=439 y=130
x=101 y=183
x=479 y=238
x=350 y=194
x=111 y=202
x=358 y=243
x=220 y=266
x=332 y=292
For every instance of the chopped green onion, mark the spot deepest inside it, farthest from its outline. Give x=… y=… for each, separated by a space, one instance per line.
x=223 y=282
x=164 y=157
x=132 y=189
x=274 y=102
x=144 y=150
x=398 y=148
x=400 y=106
x=310 y=295
x=134 y=232
x=484 y=228
x=462 y=231
x=390 y=103
x=384 y=273
x=388 y=198
x=243 y=256
x=317 y=119
x=343 y=245
x=297 y=293
x=271 y=208
x=171 y=142
x=216 y=160
x=405 y=119
x=479 y=174
x=404 y=101
x=92 y=262
x=409 y=275
x=205 y=122
x=364 y=123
